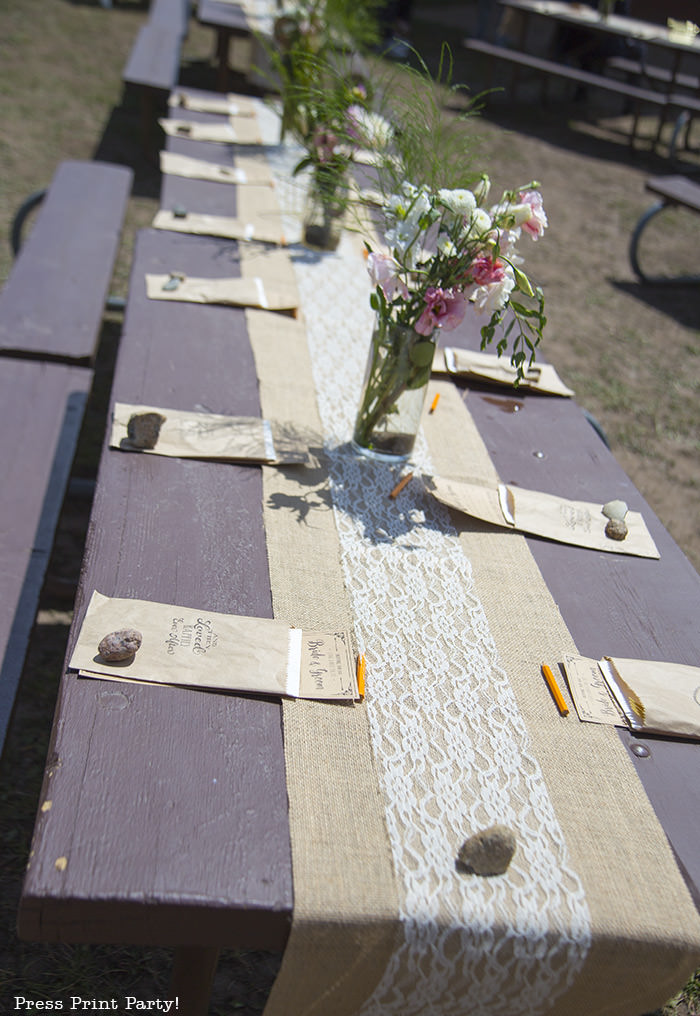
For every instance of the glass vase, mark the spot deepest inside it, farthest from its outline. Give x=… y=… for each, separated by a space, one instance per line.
x=393 y=392
x=323 y=215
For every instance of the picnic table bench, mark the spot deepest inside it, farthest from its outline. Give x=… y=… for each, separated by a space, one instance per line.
x=207 y=862
x=51 y=309
x=153 y=65
x=671 y=192
x=664 y=89
x=638 y=96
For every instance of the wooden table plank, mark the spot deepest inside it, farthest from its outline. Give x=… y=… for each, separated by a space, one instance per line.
x=205 y=858
x=612 y=604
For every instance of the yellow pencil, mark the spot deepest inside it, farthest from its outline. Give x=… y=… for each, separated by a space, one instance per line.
x=555 y=690
x=434 y=403
x=361 y=665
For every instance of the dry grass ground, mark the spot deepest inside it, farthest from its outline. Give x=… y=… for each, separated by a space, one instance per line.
x=631 y=352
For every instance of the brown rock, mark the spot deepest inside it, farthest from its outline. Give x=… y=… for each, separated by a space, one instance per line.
x=120 y=645
x=143 y=429
x=616 y=529
x=488 y=852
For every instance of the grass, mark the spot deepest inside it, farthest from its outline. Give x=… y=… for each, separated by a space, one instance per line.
x=60 y=83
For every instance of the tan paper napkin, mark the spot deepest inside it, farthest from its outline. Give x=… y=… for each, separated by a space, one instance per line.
x=218 y=652
x=541 y=377
x=577 y=522
x=241 y=292
x=645 y=695
x=189 y=435
x=267 y=229
x=229 y=104
x=240 y=130
x=246 y=169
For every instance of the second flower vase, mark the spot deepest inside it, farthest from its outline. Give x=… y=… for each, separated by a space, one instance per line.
x=323 y=216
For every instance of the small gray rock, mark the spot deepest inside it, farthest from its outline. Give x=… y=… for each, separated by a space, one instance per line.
x=616 y=529
x=143 y=429
x=120 y=645
x=615 y=510
x=488 y=852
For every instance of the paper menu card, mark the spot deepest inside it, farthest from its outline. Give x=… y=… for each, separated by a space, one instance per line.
x=245 y=169
x=218 y=652
x=591 y=695
x=275 y=294
x=483 y=366
x=266 y=227
x=645 y=695
x=580 y=523
x=240 y=130
x=192 y=435
x=228 y=105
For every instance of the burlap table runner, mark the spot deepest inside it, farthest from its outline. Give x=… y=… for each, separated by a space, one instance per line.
x=457 y=730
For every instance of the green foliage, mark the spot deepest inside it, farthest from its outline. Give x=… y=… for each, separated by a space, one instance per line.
x=429 y=147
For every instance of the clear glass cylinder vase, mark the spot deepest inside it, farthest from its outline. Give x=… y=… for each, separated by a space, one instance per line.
x=324 y=214
x=393 y=392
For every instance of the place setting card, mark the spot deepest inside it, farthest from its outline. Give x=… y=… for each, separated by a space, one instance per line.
x=153 y=430
x=646 y=696
x=258 y=218
x=275 y=294
x=490 y=367
x=229 y=227
x=246 y=169
x=230 y=104
x=581 y=523
x=237 y=130
x=141 y=641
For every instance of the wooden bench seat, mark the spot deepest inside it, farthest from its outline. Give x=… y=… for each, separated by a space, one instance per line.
x=662 y=75
x=671 y=191
x=51 y=311
x=52 y=303
x=175 y=14
x=153 y=66
x=41 y=411
x=550 y=68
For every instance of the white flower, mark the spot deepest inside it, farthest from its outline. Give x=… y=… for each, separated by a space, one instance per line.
x=461 y=202
x=369 y=128
x=481 y=191
x=446 y=246
x=477 y=225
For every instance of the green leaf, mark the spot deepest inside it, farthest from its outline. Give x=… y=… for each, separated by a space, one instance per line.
x=422 y=354
x=420 y=378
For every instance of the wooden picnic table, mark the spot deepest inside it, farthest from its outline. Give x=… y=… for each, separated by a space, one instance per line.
x=211 y=857
x=234 y=21
x=662 y=88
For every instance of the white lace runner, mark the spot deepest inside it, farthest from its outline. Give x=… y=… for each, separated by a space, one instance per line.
x=452 y=751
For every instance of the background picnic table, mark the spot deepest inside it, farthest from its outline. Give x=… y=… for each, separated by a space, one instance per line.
x=631 y=353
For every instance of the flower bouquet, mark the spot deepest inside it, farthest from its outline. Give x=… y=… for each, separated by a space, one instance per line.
x=446 y=250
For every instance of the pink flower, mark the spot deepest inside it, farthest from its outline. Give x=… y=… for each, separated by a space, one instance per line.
x=383 y=271
x=484 y=269
x=443 y=309
x=537 y=222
